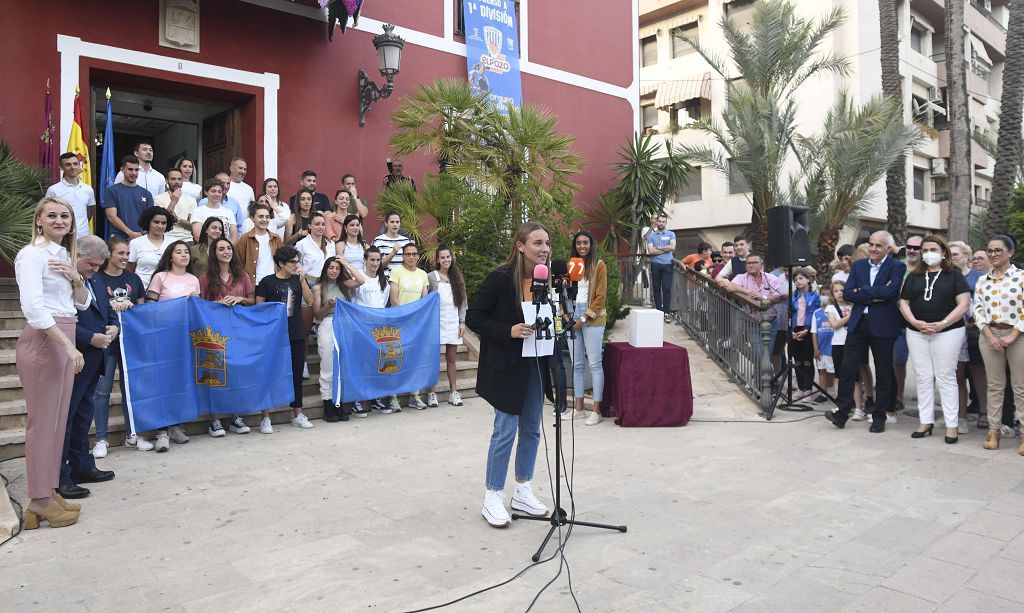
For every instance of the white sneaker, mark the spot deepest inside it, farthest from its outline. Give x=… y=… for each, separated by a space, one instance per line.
x=962 y=427
x=432 y=399
x=494 y=509
x=137 y=442
x=858 y=415
x=455 y=398
x=579 y=414
x=238 y=426
x=891 y=418
x=524 y=500
x=178 y=435
x=99 y=450
x=216 y=429
x=592 y=420
x=266 y=427
x=301 y=421
x=415 y=402
x=162 y=443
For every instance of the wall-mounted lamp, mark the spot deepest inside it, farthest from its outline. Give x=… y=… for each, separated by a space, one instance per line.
x=389 y=55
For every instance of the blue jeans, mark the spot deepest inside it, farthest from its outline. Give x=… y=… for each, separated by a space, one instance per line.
x=661 y=280
x=587 y=349
x=101 y=399
x=505 y=427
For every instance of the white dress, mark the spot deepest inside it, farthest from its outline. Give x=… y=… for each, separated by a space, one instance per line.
x=449 y=312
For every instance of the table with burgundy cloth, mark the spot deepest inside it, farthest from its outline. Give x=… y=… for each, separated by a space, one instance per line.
x=647 y=386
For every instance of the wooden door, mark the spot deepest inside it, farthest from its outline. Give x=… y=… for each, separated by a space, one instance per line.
x=222 y=141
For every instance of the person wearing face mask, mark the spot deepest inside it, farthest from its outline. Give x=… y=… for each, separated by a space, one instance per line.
x=934 y=299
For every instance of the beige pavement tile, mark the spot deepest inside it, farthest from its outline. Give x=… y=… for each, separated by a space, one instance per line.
x=1001 y=577
x=965 y=549
x=929 y=579
x=885 y=600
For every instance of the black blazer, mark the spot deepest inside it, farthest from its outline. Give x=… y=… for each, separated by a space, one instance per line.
x=503 y=373
x=94 y=319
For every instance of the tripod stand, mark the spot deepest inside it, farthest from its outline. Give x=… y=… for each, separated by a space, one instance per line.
x=788 y=370
x=559 y=517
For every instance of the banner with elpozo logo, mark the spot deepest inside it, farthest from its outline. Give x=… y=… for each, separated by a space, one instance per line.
x=492 y=51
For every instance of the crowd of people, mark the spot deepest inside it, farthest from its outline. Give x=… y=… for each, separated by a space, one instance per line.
x=169 y=237
x=955 y=313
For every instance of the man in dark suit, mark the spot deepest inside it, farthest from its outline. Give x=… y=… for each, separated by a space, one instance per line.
x=874 y=289
x=97 y=327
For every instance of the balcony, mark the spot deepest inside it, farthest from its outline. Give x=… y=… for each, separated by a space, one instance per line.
x=985 y=27
x=654 y=10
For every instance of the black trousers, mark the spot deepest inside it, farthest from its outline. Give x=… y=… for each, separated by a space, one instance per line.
x=855 y=353
x=298 y=347
x=76 y=458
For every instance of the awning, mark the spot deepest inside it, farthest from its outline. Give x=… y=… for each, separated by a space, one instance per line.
x=675 y=92
x=648 y=87
x=979 y=50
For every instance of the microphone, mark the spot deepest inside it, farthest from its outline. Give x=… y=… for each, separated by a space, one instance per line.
x=559 y=269
x=539 y=288
x=576 y=269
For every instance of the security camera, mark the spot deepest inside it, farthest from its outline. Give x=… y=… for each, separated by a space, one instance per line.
x=147 y=105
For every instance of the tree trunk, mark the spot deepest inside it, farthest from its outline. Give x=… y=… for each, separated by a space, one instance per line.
x=828 y=238
x=1008 y=145
x=961 y=168
x=757 y=233
x=892 y=87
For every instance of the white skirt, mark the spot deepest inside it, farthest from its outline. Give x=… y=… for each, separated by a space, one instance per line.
x=449 y=316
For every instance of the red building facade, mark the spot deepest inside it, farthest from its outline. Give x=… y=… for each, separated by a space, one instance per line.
x=296 y=95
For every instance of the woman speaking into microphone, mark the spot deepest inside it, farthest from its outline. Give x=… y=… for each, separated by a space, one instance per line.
x=512 y=384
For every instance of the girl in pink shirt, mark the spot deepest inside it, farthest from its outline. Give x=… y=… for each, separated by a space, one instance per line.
x=173 y=277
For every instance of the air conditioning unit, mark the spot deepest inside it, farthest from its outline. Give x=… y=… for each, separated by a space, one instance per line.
x=987 y=4
x=934 y=94
x=939 y=166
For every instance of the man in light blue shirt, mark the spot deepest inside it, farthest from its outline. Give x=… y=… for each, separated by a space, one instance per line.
x=661 y=244
x=75 y=192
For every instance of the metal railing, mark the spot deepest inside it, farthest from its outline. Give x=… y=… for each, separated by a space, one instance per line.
x=732 y=329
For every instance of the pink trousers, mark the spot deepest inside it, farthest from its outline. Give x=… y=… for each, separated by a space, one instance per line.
x=47 y=377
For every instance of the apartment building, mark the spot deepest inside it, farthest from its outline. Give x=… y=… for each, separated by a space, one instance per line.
x=677 y=86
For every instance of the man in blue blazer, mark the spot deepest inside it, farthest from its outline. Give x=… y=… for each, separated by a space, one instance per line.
x=873 y=288
x=97 y=327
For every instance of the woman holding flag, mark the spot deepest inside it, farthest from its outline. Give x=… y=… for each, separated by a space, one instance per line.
x=326 y=293
x=369 y=288
x=512 y=384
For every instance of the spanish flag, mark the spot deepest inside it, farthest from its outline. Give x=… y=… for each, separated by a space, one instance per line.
x=76 y=143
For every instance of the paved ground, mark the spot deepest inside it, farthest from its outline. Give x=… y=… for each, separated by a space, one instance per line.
x=382 y=514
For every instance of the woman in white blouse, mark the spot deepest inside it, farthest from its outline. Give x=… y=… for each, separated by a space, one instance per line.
x=315 y=248
x=51 y=292
x=999 y=314
x=189 y=187
x=144 y=252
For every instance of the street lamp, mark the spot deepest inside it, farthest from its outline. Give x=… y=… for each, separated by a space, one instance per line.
x=389 y=55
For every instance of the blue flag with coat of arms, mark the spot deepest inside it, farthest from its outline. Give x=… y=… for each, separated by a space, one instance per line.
x=380 y=352
x=188 y=357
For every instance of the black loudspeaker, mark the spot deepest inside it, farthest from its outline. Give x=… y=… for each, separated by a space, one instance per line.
x=789 y=240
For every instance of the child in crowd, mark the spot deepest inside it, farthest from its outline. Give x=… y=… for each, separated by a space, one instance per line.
x=287 y=286
x=838 y=313
x=821 y=338
x=173 y=279
x=803 y=303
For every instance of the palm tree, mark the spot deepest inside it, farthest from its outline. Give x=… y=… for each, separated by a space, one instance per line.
x=892 y=87
x=960 y=166
x=520 y=156
x=1008 y=152
x=611 y=216
x=430 y=213
x=21 y=186
x=773 y=59
x=645 y=183
x=847 y=158
x=438 y=118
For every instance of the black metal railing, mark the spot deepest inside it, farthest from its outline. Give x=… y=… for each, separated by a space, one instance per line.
x=733 y=330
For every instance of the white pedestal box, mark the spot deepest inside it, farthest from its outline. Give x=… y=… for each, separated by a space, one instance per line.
x=646 y=327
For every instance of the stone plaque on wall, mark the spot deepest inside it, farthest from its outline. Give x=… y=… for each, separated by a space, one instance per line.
x=179 y=24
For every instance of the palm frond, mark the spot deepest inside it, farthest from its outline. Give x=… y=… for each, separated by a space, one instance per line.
x=21 y=186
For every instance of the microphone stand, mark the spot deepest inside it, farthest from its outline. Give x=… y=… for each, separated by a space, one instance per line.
x=558 y=516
